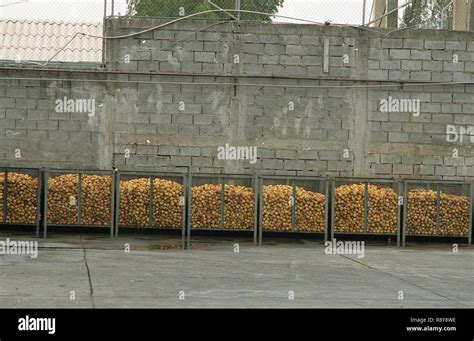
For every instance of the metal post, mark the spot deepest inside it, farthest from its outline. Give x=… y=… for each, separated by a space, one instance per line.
x=469 y=237
x=366 y=206
x=260 y=212
x=112 y=203
x=255 y=209
x=326 y=210
x=38 y=203
x=237 y=8
x=78 y=201
x=150 y=201
x=333 y=199
x=363 y=12
x=183 y=212
x=45 y=200
x=5 y=193
x=293 y=205
x=117 y=204
x=189 y=209
x=399 y=192
x=221 y=220
x=405 y=204
x=438 y=203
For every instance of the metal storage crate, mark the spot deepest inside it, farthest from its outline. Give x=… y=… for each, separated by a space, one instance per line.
x=20 y=194
x=78 y=198
x=293 y=204
x=222 y=202
x=148 y=200
x=361 y=206
x=438 y=209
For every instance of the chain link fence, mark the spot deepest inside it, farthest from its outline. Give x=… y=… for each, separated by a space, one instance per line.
x=43 y=31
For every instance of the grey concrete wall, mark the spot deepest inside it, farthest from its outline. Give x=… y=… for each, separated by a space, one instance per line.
x=335 y=126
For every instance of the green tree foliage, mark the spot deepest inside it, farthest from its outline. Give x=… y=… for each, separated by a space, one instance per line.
x=435 y=14
x=177 y=8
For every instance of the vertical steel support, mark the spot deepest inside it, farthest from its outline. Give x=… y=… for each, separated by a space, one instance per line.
x=183 y=212
x=237 y=7
x=78 y=201
x=189 y=209
x=469 y=237
x=45 y=200
x=150 y=201
x=366 y=206
x=5 y=193
x=326 y=210
x=255 y=209
x=112 y=203
x=438 y=203
x=399 y=192
x=405 y=204
x=260 y=211
x=117 y=204
x=333 y=199
x=38 y=203
x=293 y=206
x=221 y=220
x=363 y=12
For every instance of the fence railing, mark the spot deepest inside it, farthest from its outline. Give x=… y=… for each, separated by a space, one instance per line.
x=181 y=203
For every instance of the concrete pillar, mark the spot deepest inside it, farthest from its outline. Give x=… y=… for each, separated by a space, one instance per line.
x=392 y=19
x=461 y=15
x=379 y=10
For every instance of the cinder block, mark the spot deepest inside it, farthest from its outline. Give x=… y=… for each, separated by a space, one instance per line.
x=294 y=164
x=456 y=45
x=419 y=54
x=190 y=151
x=206 y=57
x=48 y=125
x=400 y=54
x=181 y=161
x=434 y=44
x=285 y=154
x=330 y=155
x=398 y=137
x=382 y=168
x=402 y=169
x=377 y=75
x=309 y=155
x=392 y=43
x=413 y=43
x=391 y=158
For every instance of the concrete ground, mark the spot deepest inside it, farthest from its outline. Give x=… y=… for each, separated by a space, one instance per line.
x=155 y=272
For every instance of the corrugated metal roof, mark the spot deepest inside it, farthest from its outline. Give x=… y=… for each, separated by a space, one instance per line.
x=35 y=40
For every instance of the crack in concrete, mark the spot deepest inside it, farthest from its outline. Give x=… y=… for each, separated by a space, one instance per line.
x=91 y=288
x=404 y=280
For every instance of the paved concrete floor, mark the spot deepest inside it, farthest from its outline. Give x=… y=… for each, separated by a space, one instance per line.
x=103 y=275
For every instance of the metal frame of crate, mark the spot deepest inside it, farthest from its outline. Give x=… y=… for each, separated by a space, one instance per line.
x=30 y=171
x=221 y=180
x=48 y=173
x=437 y=186
x=366 y=181
x=151 y=176
x=293 y=180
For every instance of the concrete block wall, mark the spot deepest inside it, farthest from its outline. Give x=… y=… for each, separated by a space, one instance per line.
x=169 y=98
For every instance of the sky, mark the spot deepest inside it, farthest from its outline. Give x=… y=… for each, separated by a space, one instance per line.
x=339 y=11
